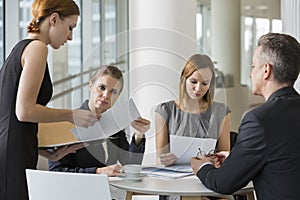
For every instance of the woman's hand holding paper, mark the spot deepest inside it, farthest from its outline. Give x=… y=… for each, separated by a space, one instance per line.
x=168 y=159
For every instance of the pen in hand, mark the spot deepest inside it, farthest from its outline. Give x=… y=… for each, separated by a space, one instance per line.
x=121 y=167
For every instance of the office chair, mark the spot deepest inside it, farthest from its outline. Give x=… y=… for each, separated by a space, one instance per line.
x=233 y=136
x=48 y=185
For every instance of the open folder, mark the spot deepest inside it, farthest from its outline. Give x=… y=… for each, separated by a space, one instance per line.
x=56 y=134
x=64 y=133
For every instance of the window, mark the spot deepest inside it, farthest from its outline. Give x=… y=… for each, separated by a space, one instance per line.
x=95 y=43
x=24 y=16
x=203 y=26
x=252 y=29
x=110 y=30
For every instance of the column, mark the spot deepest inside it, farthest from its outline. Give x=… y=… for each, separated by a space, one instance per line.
x=225 y=18
x=225 y=25
x=162 y=36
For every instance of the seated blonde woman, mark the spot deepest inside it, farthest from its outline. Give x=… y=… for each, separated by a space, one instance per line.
x=194 y=113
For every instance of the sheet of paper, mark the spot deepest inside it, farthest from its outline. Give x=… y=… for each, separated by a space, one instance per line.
x=186 y=147
x=112 y=121
x=176 y=167
x=175 y=171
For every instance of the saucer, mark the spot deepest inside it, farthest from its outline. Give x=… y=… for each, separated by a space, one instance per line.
x=136 y=179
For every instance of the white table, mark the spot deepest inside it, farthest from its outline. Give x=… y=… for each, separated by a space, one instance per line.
x=189 y=188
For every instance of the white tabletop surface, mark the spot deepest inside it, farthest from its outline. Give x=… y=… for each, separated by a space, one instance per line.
x=188 y=186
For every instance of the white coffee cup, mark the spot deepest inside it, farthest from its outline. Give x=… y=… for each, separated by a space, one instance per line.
x=132 y=170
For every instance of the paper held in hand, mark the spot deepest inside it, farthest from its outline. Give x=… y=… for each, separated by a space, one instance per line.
x=186 y=147
x=65 y=133
x=111 y=121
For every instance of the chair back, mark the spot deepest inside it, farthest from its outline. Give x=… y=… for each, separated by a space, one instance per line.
x=233 y=136
x=48 y=185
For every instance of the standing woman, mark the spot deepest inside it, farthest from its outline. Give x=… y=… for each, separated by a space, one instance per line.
x=25 y=89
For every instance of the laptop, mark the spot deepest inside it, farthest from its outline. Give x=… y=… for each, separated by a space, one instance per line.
x=49 y=185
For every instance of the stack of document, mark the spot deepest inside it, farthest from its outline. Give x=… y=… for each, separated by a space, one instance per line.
x=174 y=171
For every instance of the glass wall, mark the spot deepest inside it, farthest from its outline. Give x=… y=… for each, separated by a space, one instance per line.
x=251 y=29
x=95 y=43
x=24 y=16
x=203 y=28
x=110 y=30
x=75 y=66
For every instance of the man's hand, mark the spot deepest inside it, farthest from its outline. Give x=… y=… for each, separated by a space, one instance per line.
x=197 y=162
x=216 y=160
x=219 y=158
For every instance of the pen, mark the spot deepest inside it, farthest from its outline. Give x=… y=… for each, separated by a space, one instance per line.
x=121 y=170
x=118 y=163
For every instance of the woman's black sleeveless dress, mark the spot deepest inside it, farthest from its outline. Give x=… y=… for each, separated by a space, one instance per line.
x=18 y=140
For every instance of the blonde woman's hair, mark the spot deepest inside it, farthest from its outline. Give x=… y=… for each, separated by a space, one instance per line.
x=41 y=9
x=196 y=62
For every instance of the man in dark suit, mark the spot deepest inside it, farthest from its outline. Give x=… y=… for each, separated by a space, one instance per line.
x=267 y=147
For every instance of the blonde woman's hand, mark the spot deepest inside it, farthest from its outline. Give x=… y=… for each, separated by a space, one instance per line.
x=168 y=159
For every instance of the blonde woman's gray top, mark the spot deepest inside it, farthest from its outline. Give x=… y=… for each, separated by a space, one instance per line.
x=201 y=125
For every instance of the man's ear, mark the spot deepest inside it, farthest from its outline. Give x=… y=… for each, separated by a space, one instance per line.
x=268 y=70
x=53 y=18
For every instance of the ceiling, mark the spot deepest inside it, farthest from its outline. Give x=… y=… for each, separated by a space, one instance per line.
x=256 y=8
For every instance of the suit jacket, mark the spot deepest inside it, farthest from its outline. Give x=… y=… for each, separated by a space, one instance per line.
x=88 y=159
x=267 y=151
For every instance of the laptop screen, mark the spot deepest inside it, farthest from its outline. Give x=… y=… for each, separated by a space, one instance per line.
x=49 y=185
